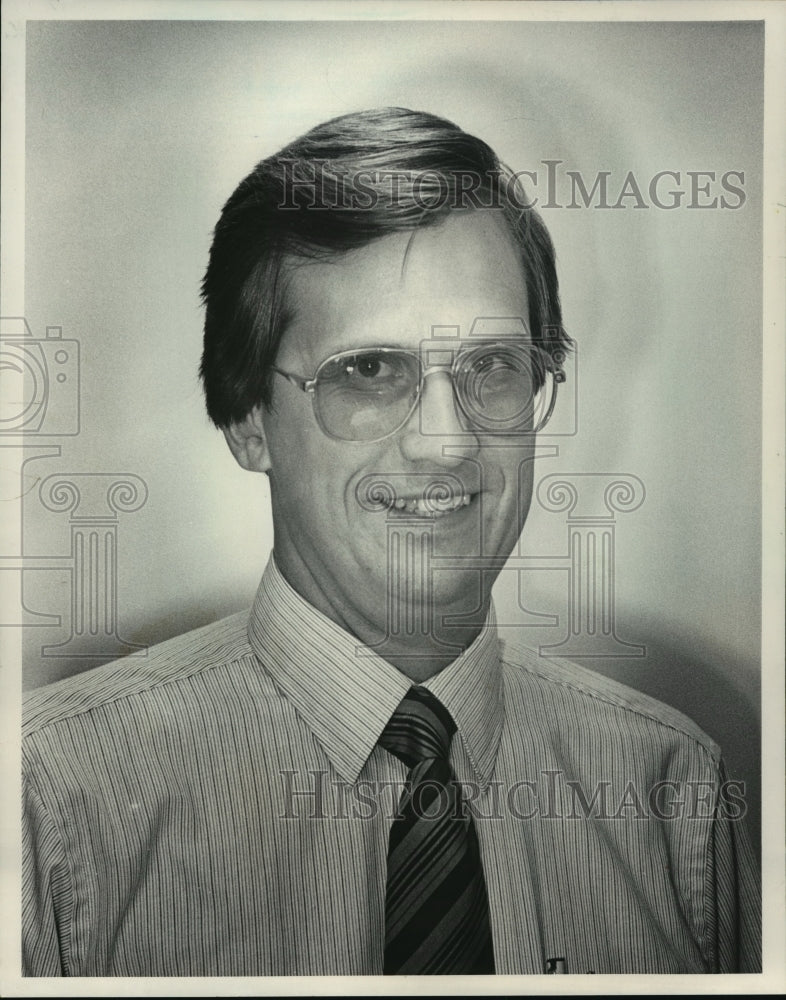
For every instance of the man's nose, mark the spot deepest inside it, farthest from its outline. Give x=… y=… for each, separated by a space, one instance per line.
x=436 y=422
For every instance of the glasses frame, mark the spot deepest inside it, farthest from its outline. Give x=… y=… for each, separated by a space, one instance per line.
x=309 y=385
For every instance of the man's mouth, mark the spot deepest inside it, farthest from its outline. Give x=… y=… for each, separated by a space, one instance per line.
x=430 y=506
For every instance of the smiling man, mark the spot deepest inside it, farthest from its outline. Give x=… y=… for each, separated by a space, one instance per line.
x=358 y=777
x=361 y=428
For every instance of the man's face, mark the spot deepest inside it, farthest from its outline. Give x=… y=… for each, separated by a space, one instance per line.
x=334 y=545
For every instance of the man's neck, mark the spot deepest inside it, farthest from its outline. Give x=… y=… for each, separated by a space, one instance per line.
x=424 y=656
x=420 y=646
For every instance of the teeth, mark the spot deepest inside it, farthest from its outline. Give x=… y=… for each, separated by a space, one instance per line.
x=432 y=508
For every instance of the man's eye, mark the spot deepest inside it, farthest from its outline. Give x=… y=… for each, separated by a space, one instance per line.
x=377 y=369
x=490 y=362
x=494 y=361
x=367 y=366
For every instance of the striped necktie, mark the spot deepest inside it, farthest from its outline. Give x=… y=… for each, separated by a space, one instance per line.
x=436 y=907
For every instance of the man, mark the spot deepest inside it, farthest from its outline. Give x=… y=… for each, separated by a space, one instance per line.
x=357 y=777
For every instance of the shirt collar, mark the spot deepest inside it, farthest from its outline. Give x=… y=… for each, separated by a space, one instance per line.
x=316 y=664
x=471 y=690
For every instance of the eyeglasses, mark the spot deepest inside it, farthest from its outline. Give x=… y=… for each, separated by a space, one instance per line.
x=501 y=387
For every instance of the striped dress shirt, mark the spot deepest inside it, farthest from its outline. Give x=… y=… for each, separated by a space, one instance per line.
x=221 y=807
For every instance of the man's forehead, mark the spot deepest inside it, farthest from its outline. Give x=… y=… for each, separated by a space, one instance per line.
x=402 y=285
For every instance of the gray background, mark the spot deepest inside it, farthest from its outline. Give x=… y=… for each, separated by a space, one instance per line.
x=136 y=134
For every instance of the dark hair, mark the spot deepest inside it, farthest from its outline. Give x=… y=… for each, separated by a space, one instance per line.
x=340 y=186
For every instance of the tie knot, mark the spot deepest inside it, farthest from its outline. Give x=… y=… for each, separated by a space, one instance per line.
x=420 y=729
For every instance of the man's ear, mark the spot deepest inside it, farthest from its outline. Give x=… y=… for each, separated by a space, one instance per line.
x=248 y=443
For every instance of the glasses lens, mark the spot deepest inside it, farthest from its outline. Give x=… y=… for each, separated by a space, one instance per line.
x=363 y=396
x=505 y=387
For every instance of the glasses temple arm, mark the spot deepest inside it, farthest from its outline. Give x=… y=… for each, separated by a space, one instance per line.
x=304 y=384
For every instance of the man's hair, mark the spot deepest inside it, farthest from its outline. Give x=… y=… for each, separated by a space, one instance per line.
x=340 y=186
